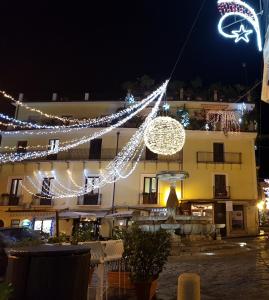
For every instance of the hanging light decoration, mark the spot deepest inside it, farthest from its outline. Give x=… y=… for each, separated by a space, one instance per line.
x=165 y=136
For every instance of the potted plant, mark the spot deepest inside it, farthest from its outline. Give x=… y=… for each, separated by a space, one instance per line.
x=146 y=254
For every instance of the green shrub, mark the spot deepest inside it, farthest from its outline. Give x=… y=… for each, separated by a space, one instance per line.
x=145 y=252
x=5 y=291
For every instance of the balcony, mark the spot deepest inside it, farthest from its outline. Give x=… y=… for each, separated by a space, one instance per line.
x=89 y=199
x=10 y=200
x=149 y=198
x=222 y=192
x=42 y=200
x=226 y=158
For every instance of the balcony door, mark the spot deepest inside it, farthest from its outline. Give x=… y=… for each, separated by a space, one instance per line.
x=53 y=147
x=95 y=149
x=150 y=155
x=220 y=189
x=92 y=197
x=21 y=146
x=45 y=198
x=150 y=191
x=15 y=191
x=218 y=152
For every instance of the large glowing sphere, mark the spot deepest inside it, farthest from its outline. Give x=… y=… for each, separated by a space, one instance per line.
x=165 y=136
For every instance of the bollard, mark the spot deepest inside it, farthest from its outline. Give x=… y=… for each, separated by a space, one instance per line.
x=188 y=287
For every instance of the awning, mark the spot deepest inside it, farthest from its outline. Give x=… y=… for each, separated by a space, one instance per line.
x=121 y=214
x=81 y=215
x=31 y=214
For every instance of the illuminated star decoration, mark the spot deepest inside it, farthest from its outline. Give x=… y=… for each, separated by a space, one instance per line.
x=242 y=34
x=238 y=8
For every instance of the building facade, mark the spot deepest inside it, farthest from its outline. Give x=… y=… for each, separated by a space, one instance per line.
x=220 y=161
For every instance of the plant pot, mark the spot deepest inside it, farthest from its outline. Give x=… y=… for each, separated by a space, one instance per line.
x=146 y=290
x=120 y=280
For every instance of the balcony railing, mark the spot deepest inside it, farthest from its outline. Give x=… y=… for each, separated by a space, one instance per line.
x=10 y=200
x=90 y=199
x=149 y=198
x=226 y=158
x=222 y=192
x=106 y=155
x=39 y=199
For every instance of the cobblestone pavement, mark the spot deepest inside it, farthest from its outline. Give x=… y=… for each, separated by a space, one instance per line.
x=230 y=276
x=225 y=275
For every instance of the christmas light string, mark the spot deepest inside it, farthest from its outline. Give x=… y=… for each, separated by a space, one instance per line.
x=112 y=171
x=85 y=123
x=4 y=158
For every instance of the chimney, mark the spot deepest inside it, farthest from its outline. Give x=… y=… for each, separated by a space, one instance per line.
x=21 y=97
x=181 y=94
x=87 y=96
x=215 y=95
x=54 y=97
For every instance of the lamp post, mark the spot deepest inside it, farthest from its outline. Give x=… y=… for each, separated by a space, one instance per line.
x=114 y=184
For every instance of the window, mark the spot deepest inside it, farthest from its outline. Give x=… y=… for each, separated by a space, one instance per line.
x=202 y=210
x=15 y=223
x=95 y=149
x=53 y=147
x=238 y=217
x=43 y=225
x=15 y=188
x=90 y=182
x=218 y=152
x=220 y=188
x=151 y=155
x=21 y=146
x=45 y=198
x=150 y=190
x=15 y=191
x=46 y=185
x=92 y=197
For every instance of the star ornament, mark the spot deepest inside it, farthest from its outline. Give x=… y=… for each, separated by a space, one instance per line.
x=242 y=34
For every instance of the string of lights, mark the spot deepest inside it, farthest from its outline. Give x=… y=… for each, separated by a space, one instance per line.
x=80 y=123
x=15 y=157
x=113 y=172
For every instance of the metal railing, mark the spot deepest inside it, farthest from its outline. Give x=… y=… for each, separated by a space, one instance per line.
x=226 y=158
x=10 y=200
x=106 y=154
x=149 y=198
x=223 y=192
x=40 y=200
x=90 y=199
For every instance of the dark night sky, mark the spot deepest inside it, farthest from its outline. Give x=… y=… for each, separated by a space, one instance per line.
x=94 y=46
x=79 y=46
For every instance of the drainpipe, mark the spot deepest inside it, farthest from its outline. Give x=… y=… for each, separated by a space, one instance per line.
x=114 y=184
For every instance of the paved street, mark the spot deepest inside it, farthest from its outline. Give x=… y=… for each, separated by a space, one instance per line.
x=230 y=276
x=225 y=275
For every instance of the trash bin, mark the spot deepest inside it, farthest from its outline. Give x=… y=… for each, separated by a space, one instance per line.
x=49 y=272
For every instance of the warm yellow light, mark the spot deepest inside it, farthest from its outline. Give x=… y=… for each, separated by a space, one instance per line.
x=166 y=195
x=165 y=136
x=260 y=205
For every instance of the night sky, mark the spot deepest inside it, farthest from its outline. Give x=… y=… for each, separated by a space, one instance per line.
x=94 y=46
x=48 y=46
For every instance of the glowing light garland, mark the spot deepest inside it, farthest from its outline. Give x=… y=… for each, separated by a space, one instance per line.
x=238 y=8
x=113 y=171
x=226 y=119
x=15 y=157
x=165 y=136
x=83 y=124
